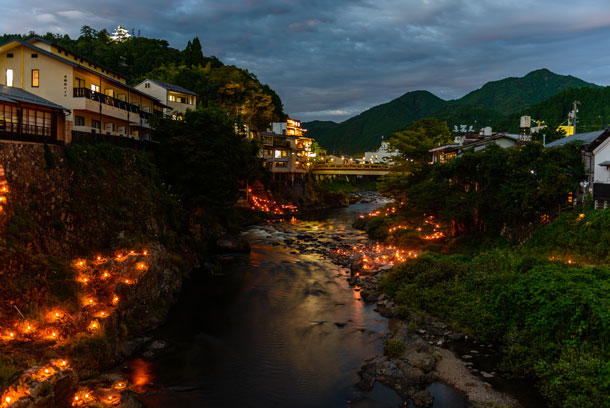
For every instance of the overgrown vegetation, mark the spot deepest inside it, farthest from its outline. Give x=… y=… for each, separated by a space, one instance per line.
x=550 y=317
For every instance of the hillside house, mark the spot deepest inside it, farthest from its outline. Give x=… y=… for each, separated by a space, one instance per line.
x=595 y=150
x=286 y=151
x=176 y=98
x=98 y=99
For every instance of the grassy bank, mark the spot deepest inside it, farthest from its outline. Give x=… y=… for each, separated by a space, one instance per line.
x=546 y=303
x=552 y=318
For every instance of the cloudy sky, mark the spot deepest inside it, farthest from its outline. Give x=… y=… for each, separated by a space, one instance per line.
x=332 y=59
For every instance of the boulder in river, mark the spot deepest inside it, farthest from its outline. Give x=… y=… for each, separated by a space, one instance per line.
x=231 y=243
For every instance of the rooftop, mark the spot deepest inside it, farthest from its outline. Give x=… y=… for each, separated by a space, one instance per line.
x=585 y=138
x=169 y=87
x=18 y=95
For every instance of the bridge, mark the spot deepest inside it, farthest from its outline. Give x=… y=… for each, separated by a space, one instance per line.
x=350 y=169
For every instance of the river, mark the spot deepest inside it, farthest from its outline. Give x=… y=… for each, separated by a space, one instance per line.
x=280 y=327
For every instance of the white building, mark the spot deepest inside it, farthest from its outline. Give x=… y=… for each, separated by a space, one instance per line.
x=381 y=155
x=595 y=150
x=120 y=34
x=176 y=98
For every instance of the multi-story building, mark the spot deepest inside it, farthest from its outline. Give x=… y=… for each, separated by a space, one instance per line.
x=177 y=99
x=99 y=100
x=381 y=155
x=286 y=151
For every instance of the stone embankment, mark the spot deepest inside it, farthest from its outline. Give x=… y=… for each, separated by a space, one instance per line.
x=61 y=205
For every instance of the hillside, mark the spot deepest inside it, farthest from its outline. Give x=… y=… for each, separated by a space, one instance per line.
x=364 y=132
x=513 y=94
x=486 y=106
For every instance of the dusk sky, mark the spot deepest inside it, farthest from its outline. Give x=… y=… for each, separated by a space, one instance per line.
x=330 y=60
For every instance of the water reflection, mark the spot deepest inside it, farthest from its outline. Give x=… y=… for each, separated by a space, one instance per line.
x=280 y=328
x=140 y=374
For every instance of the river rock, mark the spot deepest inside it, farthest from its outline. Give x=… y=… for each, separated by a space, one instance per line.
x=423 y=399
x=231 y=243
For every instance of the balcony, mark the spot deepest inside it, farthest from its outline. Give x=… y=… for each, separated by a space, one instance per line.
x=111 y=106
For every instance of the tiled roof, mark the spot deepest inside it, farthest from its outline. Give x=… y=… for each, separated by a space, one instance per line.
x=170 y=87
x=585 y=138
x=17 y=95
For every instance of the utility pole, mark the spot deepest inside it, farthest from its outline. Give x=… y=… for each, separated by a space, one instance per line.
x=575 y=104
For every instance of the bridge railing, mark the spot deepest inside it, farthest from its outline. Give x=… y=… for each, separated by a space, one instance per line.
x=351 y=166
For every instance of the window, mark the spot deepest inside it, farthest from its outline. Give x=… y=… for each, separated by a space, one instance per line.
x=109 y=126
x=95 y=124
x=121 y=130
x=9 y=55
x=172 y=98
x=35 y=78
x=95 y=88
x=79 y=121
x=110 y=92
x=34 y=55
x=9 y=77
x=147 y=85
x=79 y=83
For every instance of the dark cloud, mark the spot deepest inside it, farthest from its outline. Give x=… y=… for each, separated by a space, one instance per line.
x=334 y=59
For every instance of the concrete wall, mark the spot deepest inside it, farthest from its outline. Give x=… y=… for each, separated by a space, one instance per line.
x=602 y=154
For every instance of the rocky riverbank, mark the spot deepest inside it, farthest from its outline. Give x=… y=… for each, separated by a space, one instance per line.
x=418 y=353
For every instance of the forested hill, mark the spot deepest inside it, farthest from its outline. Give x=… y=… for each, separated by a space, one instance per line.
x=228 y=87
x=365 y=130
x=490 y=105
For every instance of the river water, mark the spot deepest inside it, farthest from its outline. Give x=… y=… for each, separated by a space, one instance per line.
x=280 y=328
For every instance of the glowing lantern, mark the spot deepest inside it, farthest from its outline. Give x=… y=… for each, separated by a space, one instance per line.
x=8 y=400
x=145 y=252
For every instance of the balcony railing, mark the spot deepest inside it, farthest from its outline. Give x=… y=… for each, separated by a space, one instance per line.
x=109 y=100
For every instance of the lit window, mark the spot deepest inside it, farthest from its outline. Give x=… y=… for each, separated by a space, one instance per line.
x=95 y=88
x=35 y=78
x=172 y=98
x=9 y=77
x=110 y=92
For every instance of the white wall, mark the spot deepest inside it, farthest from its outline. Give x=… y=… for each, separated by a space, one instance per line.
x=602 y=154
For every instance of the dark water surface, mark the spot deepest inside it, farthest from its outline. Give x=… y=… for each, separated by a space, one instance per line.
x=281 y=328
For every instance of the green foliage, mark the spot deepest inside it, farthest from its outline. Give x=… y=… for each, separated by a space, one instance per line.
x=8 y=368
x=414 y=141
x=583 y=239
x=490 y=189
x=91 y=347
x=393 y=347
x=204 y=159
x=551 y=317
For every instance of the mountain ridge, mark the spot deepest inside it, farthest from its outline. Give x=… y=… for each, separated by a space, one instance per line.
x=493 y=100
